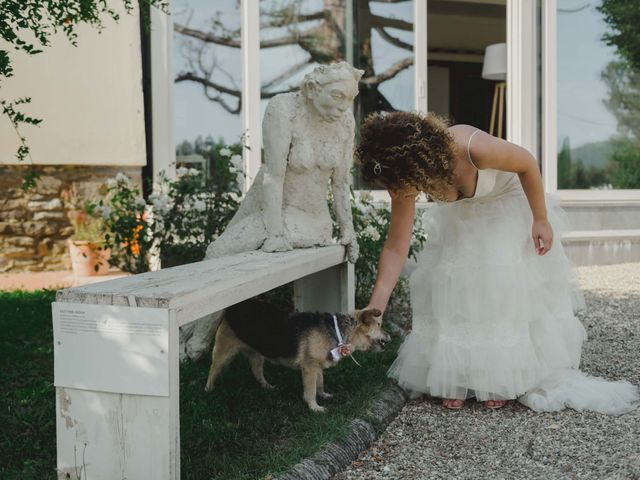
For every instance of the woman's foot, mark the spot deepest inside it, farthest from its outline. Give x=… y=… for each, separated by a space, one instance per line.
x=453 y=403
x=494 y=404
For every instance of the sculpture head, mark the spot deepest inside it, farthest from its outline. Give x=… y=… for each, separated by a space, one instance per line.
x=330 y=89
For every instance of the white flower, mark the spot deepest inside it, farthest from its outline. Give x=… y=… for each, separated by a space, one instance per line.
x=372 y=233
x=162 y=204
x=193 y=172
x=104 y=211
x=182 y=171
x=140 y=203
x=199 y=205
x=366 y=196
x=225 y=152
x=121 y=178
x=236 y=160
x=112 y=182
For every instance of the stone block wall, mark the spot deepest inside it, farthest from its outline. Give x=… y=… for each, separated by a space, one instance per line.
x=34 y=225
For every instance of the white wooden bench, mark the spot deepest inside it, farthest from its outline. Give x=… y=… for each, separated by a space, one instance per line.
x=116 y=352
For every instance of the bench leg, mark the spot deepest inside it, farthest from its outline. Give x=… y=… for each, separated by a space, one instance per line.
x=107 y=436
x=331 y=290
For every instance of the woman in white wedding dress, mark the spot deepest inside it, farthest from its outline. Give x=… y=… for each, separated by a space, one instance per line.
x=492 y=294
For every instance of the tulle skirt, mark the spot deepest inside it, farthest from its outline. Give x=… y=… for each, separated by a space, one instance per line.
x=491 y=318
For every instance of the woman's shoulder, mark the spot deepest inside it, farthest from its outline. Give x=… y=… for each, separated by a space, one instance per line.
x=461 y=132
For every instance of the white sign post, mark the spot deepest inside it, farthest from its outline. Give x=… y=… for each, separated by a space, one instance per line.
x=113 y=376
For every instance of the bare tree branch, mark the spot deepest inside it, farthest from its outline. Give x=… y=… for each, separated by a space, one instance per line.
x=388 y=74
x=287 y=20
x=286 y=74
x=191 y=77
x=294 y=38
x=218 y=99
x=384 y=22
x=206 y=37
x=394 y=40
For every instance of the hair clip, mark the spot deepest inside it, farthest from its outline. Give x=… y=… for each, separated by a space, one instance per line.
x=377 y=167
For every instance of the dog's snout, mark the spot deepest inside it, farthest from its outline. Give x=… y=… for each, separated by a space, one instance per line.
x=383 y=341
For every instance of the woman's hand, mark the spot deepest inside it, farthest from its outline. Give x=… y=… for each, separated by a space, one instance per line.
x=372 y=306
x=542 y=235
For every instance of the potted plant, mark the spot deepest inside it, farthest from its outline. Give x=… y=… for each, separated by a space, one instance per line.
x=86 y=244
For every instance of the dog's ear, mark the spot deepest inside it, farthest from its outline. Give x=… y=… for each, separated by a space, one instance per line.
x=368 y=315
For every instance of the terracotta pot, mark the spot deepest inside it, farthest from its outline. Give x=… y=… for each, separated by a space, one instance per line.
x=88 y=258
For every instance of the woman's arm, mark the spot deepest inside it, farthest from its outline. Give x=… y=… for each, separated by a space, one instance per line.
x=491 y=152
x=395 y=251
x=277 y=138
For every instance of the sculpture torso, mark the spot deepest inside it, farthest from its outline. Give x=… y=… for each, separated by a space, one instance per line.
x=317 y=147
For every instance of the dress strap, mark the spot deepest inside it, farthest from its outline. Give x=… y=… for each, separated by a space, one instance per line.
x=469 y=148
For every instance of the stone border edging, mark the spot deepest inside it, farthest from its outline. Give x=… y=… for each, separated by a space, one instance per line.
x=337 y=455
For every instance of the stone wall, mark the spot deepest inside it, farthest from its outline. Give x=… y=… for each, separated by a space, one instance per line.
x=34 y=225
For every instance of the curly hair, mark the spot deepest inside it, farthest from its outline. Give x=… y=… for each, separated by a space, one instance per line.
x=406 y=151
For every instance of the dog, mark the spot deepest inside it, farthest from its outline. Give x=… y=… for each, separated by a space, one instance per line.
x=308 y=341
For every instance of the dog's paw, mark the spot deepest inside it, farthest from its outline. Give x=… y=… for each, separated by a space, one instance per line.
x=267 y=385
x=325 y=395
x=317 y=408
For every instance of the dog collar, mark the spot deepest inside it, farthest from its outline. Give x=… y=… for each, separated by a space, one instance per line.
x=336 y=353
x=335 y=325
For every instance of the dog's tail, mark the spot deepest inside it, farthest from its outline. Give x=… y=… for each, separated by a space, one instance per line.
x=221 y=353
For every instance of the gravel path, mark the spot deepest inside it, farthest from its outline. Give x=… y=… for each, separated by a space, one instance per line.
x=426 y=441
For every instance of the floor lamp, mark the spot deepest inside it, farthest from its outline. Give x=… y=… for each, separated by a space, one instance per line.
x=495 y=68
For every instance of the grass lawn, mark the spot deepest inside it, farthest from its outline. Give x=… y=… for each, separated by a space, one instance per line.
x=239 y=431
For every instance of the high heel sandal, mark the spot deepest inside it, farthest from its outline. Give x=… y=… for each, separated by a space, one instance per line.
x=494 y=404
x=453 y=403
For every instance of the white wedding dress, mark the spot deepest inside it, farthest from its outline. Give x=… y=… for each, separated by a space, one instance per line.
x=491 y=318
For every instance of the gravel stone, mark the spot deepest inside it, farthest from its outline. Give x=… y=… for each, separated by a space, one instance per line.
x=427 y=441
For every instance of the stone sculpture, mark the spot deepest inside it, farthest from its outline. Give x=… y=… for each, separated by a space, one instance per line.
x=308 y=143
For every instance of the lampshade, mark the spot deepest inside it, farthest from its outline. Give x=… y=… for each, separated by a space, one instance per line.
x=495 y=62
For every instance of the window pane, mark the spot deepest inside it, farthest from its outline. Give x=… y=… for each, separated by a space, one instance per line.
x=598 y=92
x=296 y=36
x=458 y=33
x=207 y=64
x=376 y=37
x=383 y=48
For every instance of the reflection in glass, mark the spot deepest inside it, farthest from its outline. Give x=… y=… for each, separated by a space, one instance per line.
x=598 y=95
x=458 y=34
x=208 y=84
x=383 y=48
x=297 y=35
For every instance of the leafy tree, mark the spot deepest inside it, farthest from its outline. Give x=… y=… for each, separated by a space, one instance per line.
x=29 y=25
x=564 y=165
x=623 y=18
x=623 y=97
x=625 y=162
